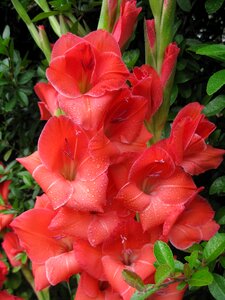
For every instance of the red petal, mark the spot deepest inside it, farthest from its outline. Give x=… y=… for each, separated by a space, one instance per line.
x=110 y=74
x=68 y=267
x=40 y=279
x=12 y=247
x=193 y=225
x=71 y=222
x=91 y=168
x=48 y=95
x=30 y=162
x=63 y=44
x=34 y=235
x=169 y=62
x=63 y=82
x=58 y=189
x=144 y=264
x=87 y=111
x=88 y=288
x=89 y=195
x=101 y=227
x=154 y=163
x=61 y=143
x=169 y=293
x=103 y=41
x=132 y=197
x=197 y=162
x=113 y=270
x=124 y=27
x=4 y=295
x=89 y=258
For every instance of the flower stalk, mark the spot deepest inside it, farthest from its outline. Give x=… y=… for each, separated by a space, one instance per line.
x=158 y=38
x=41 y=295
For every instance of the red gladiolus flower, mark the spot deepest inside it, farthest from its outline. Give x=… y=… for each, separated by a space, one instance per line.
x=115 y=136
x=146 y=82
x=49 y=100
x=128 y=248
x=187 y=141
x=87 y=66
x=3 y=272
x=65 y=170
x=12 y=247
x=46 y=247
x=150 y=30
x=89 y=259
x=4 y=295
x=124 y=27
x=40 y=279
x=94 y=227
x=157 y=189
x=93 y=74
x=169 y=63
x=5 y=219
x=90 y=288
x=112 y=11
x=169 y=293
x=193 y=225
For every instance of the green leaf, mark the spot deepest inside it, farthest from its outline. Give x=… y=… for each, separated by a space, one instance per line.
x=185 y=5
x=6 y=32
x=216 y=81
x=201 y=278
x=179 y=266
x=218 y=186
x=187 y=270
x=26 y=77
x=22 y=256
x=133 y=280
x=16 y=269
x=44 y=15
x=174 y=94
x=23 y=98
x=13 y=281
x=217 y=288
x=21 y=11
x=181 y=286
x=8 y=211
x=193 y=259
x=162 y=273
x=7 y=155
x=130 y=57
x=195 y=247
x=182 y=77
x=212 y=6
x=145 y=294
x=2 y=202
x=214 y=247
x=163 y=254
x=4 y=82
x=222 y=261
x=220 y=215
x=216 y=51
x=215 y=106
x=2 y=170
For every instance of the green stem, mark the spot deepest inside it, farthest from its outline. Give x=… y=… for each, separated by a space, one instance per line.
x=41 y=295
x=24 y=16
x=52 y=19
x=80 y=29
x=103 y=19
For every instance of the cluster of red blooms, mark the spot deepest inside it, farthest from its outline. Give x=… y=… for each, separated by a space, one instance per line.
x=107 y=197
x=5 y=220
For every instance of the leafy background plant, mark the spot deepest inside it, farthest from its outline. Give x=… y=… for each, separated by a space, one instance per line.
x=199 y=32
